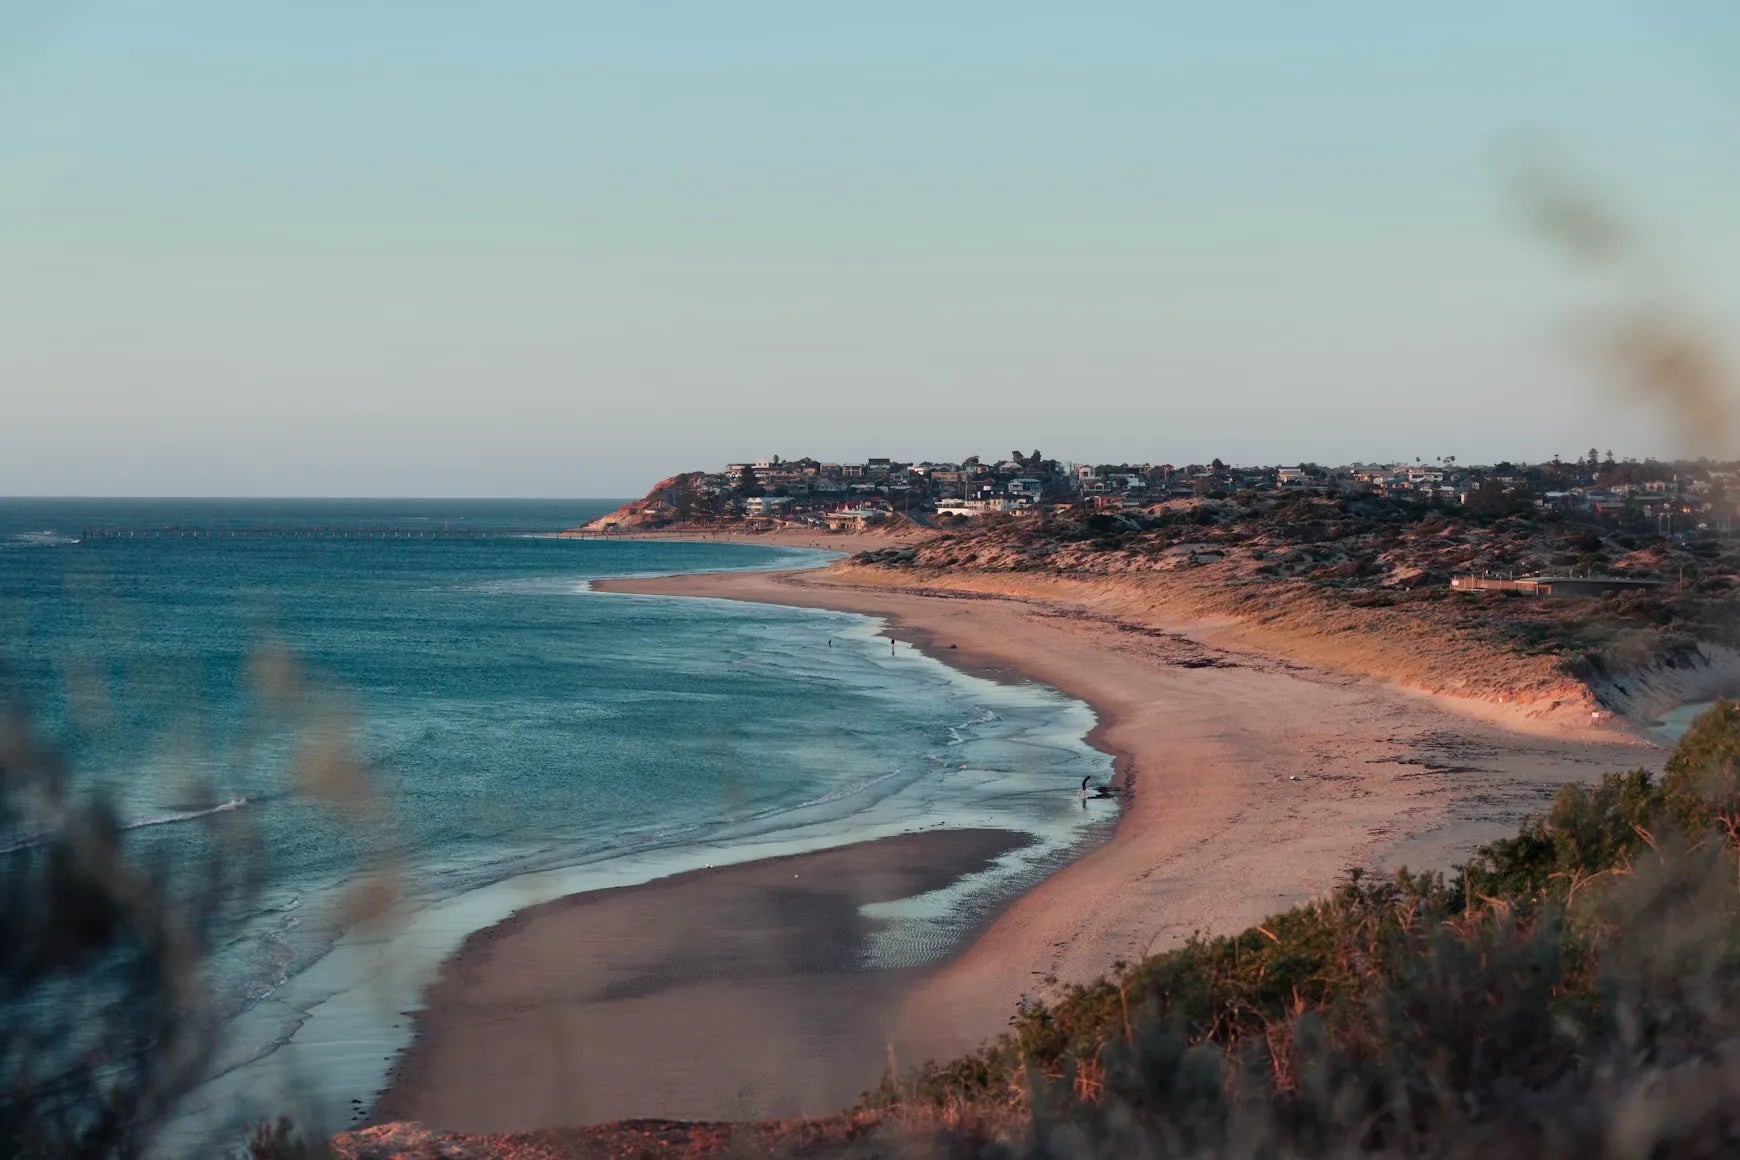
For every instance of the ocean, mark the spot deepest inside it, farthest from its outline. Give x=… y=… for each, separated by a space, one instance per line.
x=462 y=725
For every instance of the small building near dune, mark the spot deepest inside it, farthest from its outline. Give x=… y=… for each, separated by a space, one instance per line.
x=975 y=507
x=1552 y=585
x=853 y=519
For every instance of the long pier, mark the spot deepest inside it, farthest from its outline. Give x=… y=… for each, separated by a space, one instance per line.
x=97 y=535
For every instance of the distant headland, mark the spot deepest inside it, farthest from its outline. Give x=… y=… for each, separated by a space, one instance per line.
x=1577 y=589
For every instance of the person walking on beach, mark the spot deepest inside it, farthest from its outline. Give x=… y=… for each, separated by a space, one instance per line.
x=890 y=646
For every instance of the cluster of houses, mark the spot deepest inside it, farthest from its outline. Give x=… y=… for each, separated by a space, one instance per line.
x=1658 y=496
x=844 y=496
x=841 y=495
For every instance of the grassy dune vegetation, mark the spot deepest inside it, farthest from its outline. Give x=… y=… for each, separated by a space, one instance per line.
x=1572 y=990
x=1362 y=583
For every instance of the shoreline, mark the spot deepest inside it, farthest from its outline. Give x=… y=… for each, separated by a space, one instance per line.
x=1257 y=780
x=774 y=537
x=737 y=992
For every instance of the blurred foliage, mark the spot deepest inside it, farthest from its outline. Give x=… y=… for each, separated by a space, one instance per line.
x=107 y=1013
x=106 y=1021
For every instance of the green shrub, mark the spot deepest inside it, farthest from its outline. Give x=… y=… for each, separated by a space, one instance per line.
x=1572 y=990
x=1701 y=786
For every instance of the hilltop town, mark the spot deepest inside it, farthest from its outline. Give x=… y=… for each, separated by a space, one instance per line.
x=1648 y=495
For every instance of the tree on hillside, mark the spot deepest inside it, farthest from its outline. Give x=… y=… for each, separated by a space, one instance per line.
x=747 y=484
x=684 y=500
x=1492 y=498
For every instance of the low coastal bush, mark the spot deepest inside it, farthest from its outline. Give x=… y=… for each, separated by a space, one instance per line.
x=1572 y=989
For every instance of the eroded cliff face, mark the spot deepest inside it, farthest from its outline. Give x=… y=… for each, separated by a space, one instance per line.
x=1691 y=672
x=665 y=505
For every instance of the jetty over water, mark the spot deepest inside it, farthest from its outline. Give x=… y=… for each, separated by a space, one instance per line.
x=98 y=535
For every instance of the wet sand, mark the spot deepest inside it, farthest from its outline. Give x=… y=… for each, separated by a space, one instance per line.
x=733 y=993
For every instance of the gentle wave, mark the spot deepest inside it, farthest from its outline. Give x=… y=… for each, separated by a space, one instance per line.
x=46 y=539
x=850 y=790
x=530 y=586
x=187 y=816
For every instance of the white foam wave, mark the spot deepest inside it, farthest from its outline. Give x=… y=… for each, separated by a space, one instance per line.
x=39 y=838
x=531 y=586
x=843 y=792
x=187 y=816
x=43 y=539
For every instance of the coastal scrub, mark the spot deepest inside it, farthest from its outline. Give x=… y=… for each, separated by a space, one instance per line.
x=1570 y=988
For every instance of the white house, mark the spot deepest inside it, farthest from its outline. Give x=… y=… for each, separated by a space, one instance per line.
x=851 y=519
x=765 y=505
x=973 y=507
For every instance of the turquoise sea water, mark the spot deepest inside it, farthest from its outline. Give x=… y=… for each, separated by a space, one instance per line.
x=1676 y=721
x=520 y=737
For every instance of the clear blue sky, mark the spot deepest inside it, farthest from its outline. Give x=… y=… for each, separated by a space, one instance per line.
x=345 y=247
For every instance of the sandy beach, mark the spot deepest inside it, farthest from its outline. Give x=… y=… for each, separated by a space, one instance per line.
x=1255 y=781
x=733 y=993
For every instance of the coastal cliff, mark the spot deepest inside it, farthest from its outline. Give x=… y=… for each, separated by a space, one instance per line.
x=669 y=503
